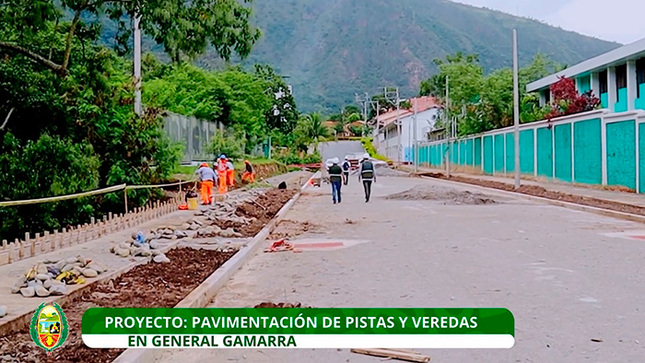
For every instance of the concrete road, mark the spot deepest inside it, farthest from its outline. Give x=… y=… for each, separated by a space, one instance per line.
x=338 y=149
x=561 y=272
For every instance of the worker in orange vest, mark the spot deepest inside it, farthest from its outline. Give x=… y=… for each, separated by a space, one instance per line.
x=207 y=177
x=248 y=173
x=222 y=174
x=230 y=174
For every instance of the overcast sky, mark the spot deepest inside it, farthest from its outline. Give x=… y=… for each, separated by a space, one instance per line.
x=615 y=20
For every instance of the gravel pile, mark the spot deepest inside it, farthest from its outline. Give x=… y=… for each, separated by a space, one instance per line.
x=52 y=277
x=445 y=195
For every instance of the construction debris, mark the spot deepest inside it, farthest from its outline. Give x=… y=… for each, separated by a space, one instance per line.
x=148 y=245
x=400 y=354
x=51 y=277
x=281 y=305
x=448 y=196
x=280 y=246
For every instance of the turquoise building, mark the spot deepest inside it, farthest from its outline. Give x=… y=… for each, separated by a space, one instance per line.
x=616 y=77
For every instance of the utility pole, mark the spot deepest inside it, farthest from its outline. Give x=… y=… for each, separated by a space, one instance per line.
x=447 y=118
x=416 y=142
x=516 y=110
x=398 y=117
x=138 y=108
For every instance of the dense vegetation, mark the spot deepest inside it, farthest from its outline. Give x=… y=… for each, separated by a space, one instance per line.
x=66 y=102
x=332 y=49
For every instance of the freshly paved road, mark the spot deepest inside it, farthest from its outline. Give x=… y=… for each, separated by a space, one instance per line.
x=557 y=270
x=338 y=149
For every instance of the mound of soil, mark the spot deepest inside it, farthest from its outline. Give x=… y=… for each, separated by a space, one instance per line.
x=288 y=228
x=538 y=191
x=149 y=285
x=445 y=195
x=263 y=209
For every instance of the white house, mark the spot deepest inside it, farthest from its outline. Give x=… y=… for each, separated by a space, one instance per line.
x=386 y=132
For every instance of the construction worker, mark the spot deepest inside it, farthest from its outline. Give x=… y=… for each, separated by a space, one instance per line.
x=248 y=173
x=222 y=174
x=207 y=177
x=346 y=166
x=367 y=175
x=336 y=180
x=230 y=174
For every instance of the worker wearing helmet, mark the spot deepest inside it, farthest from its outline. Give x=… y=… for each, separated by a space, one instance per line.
x=367 y=175
x=336 y=180
x=207 y=178
x=346 y=167
x=222 y=174
x=230 y=174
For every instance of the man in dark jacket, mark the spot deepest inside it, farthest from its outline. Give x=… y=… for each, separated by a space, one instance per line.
x=336 y=179
x=346 y=167
x=367 y=175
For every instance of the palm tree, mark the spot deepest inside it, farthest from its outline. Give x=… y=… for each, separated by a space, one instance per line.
x=312 y=128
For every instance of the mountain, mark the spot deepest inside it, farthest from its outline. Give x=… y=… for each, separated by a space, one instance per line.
x=332 y=49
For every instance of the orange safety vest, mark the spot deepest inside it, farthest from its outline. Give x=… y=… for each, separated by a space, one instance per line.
x=221 y=166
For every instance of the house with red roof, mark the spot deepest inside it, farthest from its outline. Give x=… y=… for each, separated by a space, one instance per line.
x=396 y=140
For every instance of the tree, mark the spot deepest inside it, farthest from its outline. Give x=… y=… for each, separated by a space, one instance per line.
x=311 y=129
x=567 y=101
x=33 y=28
x=283 y=116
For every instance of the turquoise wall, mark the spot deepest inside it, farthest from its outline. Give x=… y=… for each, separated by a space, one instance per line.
x=469 y=151
x=621 y=154
x=587 y=151
x=584 y=84
x=544 y=152
x=621 y=104
x=462 y=152
x=478 y=151
x=604 y=100
x=454 y=153
x=563 y=152
x=641 y=156
x=510 y=153
x=499 y=153
x=640 y=102
x=526 y=151
x=488 y=155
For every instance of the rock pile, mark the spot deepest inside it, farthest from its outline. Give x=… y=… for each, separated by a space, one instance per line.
x=52 y=277
x=148 y=245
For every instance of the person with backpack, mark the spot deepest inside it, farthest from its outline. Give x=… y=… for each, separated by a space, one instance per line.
x=346 y=167
x=367 y=175
x=336 y=180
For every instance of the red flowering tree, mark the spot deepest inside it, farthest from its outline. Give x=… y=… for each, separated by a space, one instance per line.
x=567 y=100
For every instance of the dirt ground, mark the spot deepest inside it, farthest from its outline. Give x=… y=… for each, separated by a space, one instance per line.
x=447 y=196
x=149 y=285
x=541 y=192
x=289 y=229
x=266 y=206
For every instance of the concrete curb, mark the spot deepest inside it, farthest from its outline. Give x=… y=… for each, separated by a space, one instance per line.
x=579 y=207
x=24 y=320
x=205 y=292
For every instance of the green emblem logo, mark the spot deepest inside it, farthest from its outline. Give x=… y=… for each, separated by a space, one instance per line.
x=49 y=327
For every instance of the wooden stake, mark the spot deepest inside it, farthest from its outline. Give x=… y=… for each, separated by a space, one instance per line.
x=400 y=354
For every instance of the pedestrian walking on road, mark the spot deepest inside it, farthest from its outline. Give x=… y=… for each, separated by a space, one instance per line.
x=346 y=167
x=207 y=177
x=367 y=175
x=336 y=180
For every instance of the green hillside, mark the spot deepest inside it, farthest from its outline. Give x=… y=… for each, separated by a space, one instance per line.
x=334 y=48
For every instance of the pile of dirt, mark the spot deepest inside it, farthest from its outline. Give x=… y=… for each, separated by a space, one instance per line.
x=281 y=305
x=260 y=211
x=385 y=170
x=149 y=285
x=288 y=229
x=538 y=191
x=445 y=195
